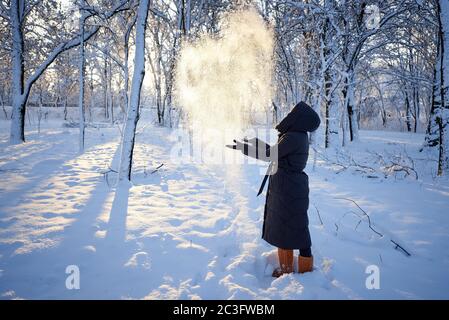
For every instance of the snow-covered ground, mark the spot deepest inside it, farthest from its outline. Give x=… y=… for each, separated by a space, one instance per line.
x=192 y=231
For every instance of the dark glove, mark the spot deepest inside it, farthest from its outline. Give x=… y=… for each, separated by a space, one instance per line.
x=237 y=145
x=252 y=141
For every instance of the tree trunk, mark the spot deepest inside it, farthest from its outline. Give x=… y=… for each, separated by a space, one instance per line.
x=438 y=127
x=92 y=97
x=39 y=112
x=81 y=80
x=3 y=107
x=443 y=115
x=129 y=132
x=331 y=110
x=416 y=108
x=407 y=111
x=126 y=67
x=348 y=93
x=65 y=108
x=17 y=134
x=110 y=93
x=105 y=87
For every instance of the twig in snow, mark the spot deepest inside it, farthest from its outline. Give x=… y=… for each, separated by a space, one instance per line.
x=366 y=214
x=400 y=247
x=397 y=246
x=357 y=215
x=318 y=212
x=106 y=174
x=365 y=168
x=345 y=162
x=358 y=223
x=395 y=167
x=157 y=168
x=397 y=163
x=145 y=172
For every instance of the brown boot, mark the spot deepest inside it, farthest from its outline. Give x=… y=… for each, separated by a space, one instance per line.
x=305 y=264
x=285 y=262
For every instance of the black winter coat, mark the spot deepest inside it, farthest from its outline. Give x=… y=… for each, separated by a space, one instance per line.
x=285 y=215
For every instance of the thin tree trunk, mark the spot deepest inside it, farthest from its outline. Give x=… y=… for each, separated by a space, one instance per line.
x=17 y=134
x=415 y=108
x=3 y=107
x=438 y=127
x=81 y=80
x=92 y=97
x=65 y=108
x=105 y=87
x=110 y=93
x=331 y=105
x=129 y=132
x=348 y=94
x=39 y=112
x=407 y=112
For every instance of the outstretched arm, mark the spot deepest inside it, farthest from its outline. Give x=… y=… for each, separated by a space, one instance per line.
x=261 y=150
x=253 y=147
x=257 y=149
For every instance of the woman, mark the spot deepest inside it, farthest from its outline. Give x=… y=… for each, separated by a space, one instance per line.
x=285 y=215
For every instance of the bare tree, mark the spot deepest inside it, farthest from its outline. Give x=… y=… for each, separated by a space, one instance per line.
x=132 y=117
x=438 y=128
x=18 y=12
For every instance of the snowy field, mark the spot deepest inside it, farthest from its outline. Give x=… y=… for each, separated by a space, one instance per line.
x=192 y=231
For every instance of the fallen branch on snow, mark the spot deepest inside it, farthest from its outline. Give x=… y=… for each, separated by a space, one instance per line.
x=366 y=214
x=346 y=162
x=397 y=246
x=392 y=164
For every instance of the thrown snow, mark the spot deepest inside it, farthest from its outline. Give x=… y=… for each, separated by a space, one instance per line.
x=186 y=232
x=223 y=81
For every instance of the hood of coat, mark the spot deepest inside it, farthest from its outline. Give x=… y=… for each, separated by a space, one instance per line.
x=301 y=118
